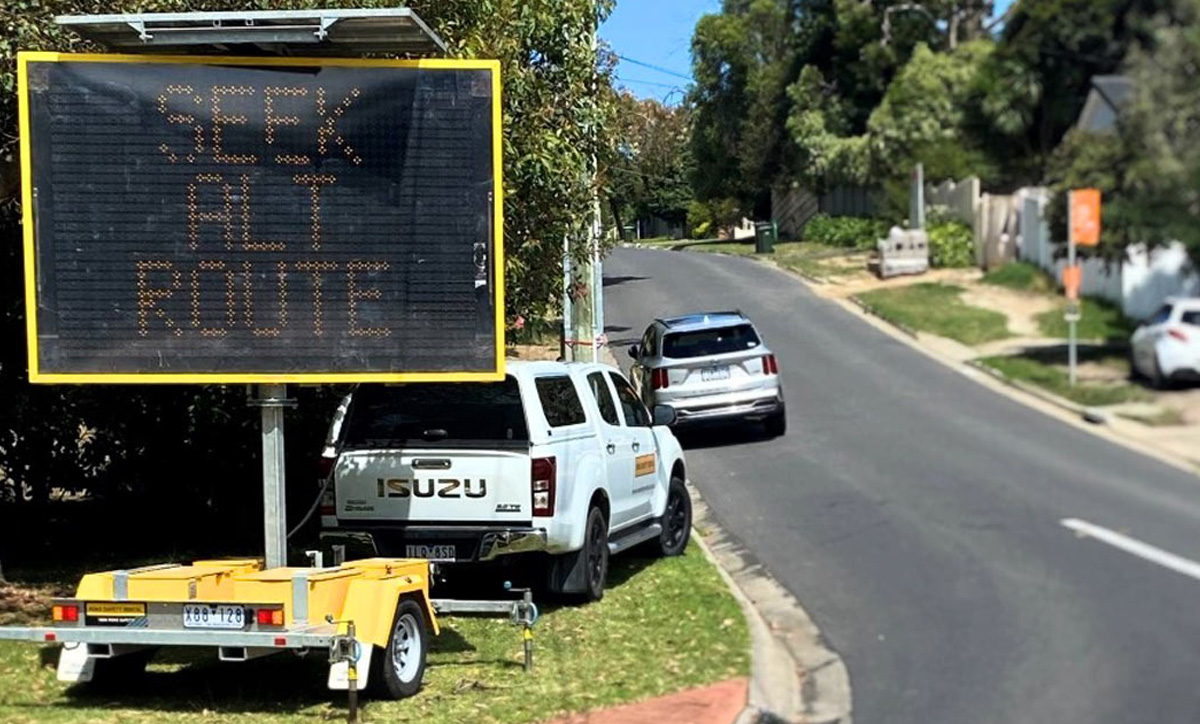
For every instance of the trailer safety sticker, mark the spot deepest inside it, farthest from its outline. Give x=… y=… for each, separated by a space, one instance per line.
x=195 y=219
x=113 y=614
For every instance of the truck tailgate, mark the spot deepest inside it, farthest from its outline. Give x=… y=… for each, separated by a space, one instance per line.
x=434 y=486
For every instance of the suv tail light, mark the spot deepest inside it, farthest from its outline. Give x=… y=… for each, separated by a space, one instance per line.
x=659 y=378
x=770 y=366
x=543 y=482
x=1177 y=334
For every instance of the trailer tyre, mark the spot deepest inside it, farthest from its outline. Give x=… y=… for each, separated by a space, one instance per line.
x=402 y=665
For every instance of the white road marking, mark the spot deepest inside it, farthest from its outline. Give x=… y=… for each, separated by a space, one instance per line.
x=1145 y=551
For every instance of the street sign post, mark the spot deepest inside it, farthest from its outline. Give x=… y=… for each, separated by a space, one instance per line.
x=1083 y=228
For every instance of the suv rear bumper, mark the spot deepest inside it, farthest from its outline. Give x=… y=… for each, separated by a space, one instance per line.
x=472 y=543
x=750 y=404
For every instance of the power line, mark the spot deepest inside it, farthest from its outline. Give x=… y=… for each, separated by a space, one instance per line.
x=648 y=82
x=658 y=68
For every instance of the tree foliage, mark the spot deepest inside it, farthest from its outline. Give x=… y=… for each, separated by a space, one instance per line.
x=1148 y=171
x=196 y=446
x=649 y=171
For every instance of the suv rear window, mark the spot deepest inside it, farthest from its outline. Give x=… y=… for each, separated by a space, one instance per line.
x=705 y=342
x=436 y=412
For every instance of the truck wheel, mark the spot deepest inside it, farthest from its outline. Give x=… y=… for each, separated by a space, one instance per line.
x=595 y=553
x=676 y=520
x=403 y=662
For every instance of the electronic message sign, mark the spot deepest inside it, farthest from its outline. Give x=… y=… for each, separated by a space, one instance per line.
x=210 y=219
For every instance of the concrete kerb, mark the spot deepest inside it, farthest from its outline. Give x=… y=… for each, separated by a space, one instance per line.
x=868 y=309
x=794 y=677
x=1090 y=414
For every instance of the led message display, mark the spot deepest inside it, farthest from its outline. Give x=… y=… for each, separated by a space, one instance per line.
x=261 y=220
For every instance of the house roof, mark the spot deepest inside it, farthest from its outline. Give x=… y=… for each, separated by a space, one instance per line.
x=1109 y=94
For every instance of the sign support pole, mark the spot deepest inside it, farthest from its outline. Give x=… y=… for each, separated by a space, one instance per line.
x=272 y=399
x=1072 y=351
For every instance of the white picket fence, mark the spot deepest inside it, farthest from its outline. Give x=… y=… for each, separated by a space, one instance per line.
x=1138 y=285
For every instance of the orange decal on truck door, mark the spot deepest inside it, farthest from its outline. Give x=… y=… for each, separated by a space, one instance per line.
x=644 y=465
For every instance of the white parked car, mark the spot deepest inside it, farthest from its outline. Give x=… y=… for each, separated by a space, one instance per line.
x=559 y=458
x=1166 y=347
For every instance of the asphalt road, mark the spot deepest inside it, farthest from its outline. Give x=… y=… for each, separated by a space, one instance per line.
x=916 y=515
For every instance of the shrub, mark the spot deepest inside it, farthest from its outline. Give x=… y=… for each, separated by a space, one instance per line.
x=951 y=244
x=851 y=232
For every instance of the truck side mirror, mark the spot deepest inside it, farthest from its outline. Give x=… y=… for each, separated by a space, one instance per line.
x=664 y=415
x=633 y=351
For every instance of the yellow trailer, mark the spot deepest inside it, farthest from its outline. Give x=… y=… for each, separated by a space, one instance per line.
x=374 y=617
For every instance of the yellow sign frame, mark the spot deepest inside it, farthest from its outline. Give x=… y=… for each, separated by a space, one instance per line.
x=37 y=376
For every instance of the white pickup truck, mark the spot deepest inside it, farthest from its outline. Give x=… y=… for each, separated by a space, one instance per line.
x=559 y=458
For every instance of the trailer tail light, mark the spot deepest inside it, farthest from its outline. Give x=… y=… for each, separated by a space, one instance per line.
x=65 y=613
x=1177 y=334
x=659 y=379
x=770 y=366
x=270 y=617
x=543 y=482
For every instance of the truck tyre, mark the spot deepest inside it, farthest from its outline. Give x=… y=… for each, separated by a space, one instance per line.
x=676 y=520
x=402 y=665
x=595 y=556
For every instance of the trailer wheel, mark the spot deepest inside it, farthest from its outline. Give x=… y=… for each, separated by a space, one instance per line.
x=403 y=662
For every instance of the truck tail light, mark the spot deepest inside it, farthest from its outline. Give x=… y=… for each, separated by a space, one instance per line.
x=659 y=378
x=269 y=617
x=543 y=481
x=1177 y=334
x=770 y=366
x=67 y=613
x=325 y=466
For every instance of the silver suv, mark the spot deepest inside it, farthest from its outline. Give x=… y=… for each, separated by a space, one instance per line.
x=710 y=367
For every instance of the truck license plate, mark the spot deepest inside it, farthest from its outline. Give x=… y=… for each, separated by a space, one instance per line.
x=213 y=616
x=433 y=553
x=714 y=373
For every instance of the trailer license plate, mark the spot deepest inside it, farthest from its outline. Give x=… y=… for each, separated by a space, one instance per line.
x=433 y=553
x=214 y=616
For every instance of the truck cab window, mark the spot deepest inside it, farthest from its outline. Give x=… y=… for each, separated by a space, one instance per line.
x=604 y=400
x=560 y=401
x=635 y=412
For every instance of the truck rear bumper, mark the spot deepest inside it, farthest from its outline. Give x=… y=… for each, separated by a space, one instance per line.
x=471 y=543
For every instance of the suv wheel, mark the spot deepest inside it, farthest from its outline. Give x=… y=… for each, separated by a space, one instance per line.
x=676 y=520
x=595 y=555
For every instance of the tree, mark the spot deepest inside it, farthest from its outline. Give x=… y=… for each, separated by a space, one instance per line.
x=1149 y=170
x=124 y=442
x=1031 y=89
x=649 y=174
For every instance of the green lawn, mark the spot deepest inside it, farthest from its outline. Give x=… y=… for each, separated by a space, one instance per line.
x=936 y=308
x=663 y=625
x=1022 y=276
x=1100 y=320
x=807 y=257
x=1053 y=378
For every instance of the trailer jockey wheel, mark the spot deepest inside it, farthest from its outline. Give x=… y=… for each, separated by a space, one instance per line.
x=402 y=665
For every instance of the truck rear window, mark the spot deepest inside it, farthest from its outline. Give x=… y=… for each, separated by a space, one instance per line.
x=705 y=342
x=431 y=413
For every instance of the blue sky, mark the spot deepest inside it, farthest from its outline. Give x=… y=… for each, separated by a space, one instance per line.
x=659 y=33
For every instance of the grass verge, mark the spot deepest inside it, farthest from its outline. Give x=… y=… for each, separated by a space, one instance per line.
x=1162 y=417
x=1053 y=378
x=937 y=309
x=1022 y=276
x=1100 y=320
x=807 y=257
x=664 y=625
